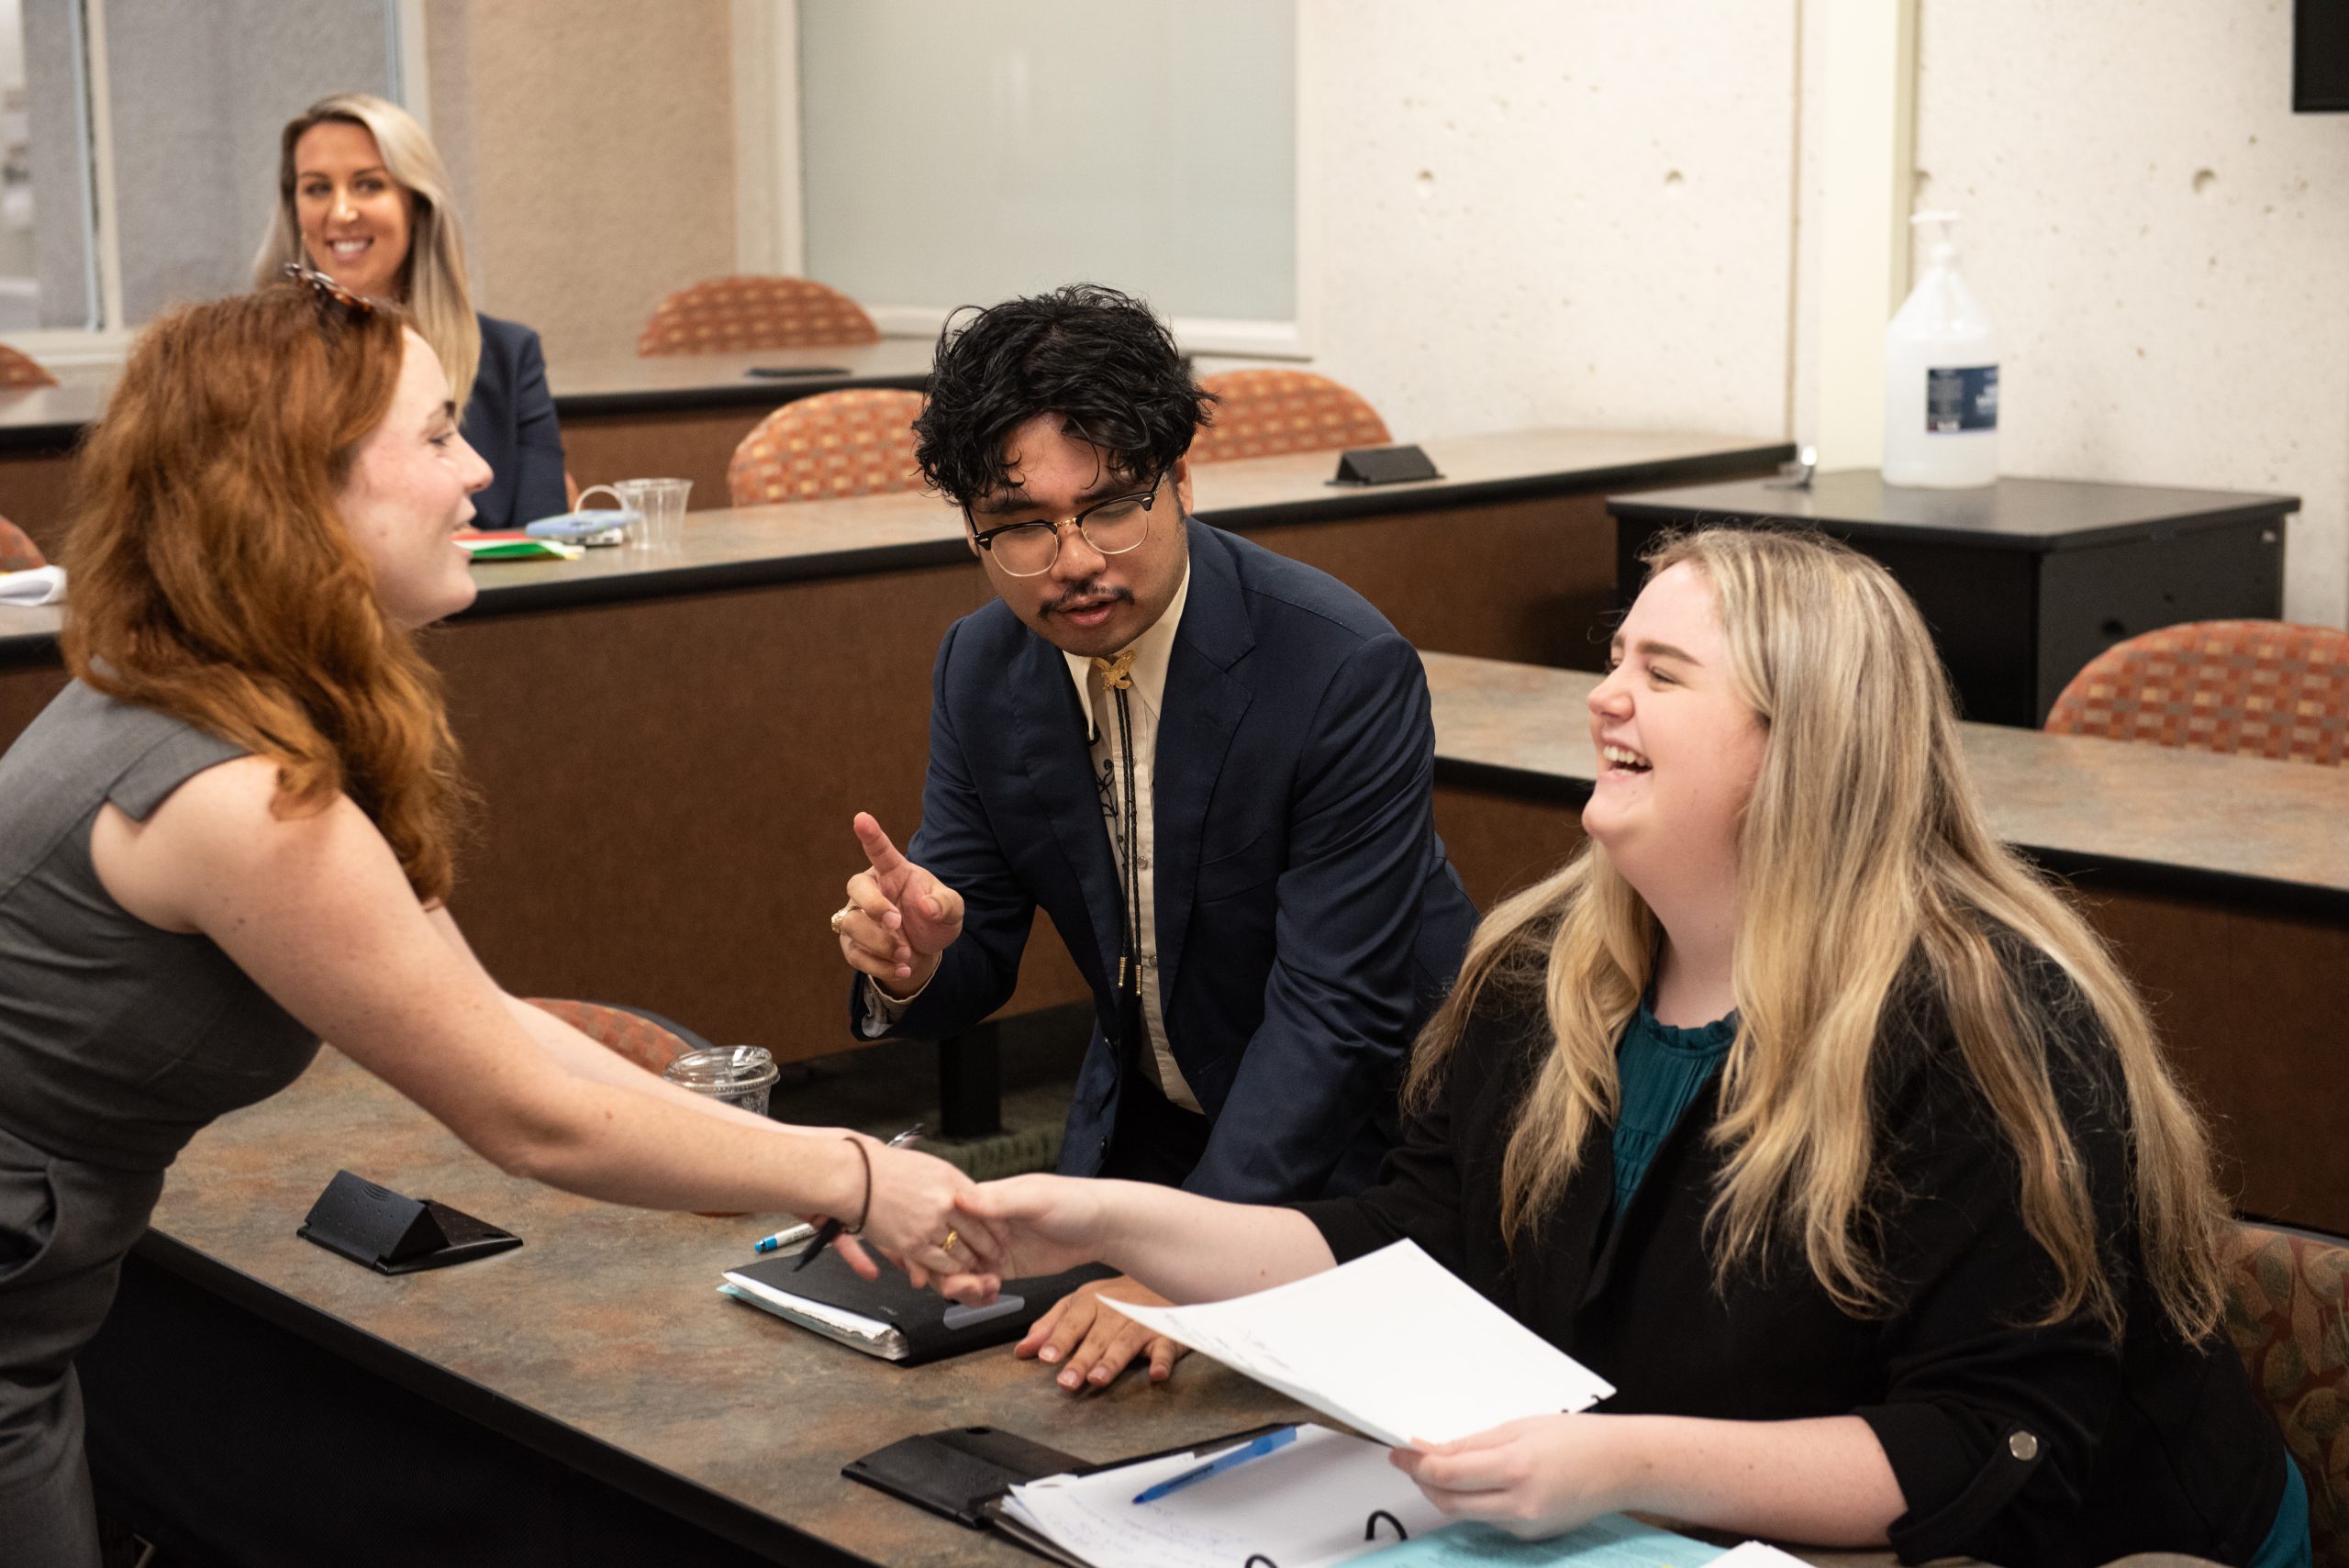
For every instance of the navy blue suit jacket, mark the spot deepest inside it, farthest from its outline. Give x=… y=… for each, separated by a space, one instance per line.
x=1307 y=919
x=509 y=419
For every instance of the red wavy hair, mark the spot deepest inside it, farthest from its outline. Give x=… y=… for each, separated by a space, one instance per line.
x=214 y=579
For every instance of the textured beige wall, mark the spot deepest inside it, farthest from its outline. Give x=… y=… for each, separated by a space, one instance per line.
x=1536 y=214
x=593 y=142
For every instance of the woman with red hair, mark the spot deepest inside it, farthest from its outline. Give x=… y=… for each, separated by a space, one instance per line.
x=231 y=836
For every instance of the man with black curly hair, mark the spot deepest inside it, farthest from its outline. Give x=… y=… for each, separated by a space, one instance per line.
x=1210 y=764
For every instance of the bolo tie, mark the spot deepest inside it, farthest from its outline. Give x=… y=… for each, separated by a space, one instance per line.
x=1117 y=679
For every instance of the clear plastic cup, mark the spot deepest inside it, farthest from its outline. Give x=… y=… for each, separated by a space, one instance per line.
x=662 y=501
x=740 y=1074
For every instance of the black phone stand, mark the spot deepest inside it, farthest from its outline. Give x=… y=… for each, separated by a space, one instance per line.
x=1383 y=465
x=396 y=1235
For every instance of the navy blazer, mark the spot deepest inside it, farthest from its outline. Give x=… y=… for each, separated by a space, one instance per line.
x=509 y=419
x=1307 y=919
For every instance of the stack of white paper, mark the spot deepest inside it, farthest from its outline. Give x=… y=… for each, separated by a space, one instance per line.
x=1310 y=1506
x=1391 y=1344
x=1303 y=1506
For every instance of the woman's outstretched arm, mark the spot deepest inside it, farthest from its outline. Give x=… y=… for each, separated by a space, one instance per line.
x=316 y=910
x=1182 y=1246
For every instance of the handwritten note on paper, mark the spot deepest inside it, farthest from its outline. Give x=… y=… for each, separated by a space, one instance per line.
x=1392 y=1345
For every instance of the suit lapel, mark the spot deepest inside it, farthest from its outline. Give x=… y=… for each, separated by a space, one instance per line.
x=1205 y=701
x=1052 y=732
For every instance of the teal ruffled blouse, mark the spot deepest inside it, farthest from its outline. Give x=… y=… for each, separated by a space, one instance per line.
x=1662 y=1070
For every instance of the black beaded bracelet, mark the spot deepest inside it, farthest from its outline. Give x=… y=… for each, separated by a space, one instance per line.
x=865 y=1212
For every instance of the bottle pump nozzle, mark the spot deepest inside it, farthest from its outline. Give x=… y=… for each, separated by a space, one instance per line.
x=1941 y=248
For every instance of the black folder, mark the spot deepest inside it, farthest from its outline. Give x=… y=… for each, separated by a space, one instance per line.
x=909 y=1326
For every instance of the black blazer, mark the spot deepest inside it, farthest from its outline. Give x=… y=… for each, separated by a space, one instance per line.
x=510 y=421
x=1307 y=919
x=2147 y=1445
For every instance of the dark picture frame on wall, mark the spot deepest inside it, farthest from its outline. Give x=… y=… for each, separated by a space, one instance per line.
x=2319 y=57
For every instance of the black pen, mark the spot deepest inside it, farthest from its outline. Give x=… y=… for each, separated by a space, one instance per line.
x=830 y=1231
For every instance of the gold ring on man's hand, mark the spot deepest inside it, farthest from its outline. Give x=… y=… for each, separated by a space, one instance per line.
x=951 y=1237
x=840 y=917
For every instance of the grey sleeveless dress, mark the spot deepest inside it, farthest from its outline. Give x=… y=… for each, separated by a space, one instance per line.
x=117 y=1042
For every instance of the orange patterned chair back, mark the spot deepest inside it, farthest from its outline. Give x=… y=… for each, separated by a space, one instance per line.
x=859 y=442
x=721 y=314
x=17 y=552
x=2288 y=1312
x=20 y=369
x=651 y=1043
x=1265 y=413
x=2254 y=688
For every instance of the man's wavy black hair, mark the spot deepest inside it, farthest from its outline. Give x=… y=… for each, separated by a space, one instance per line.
x=1095 y=356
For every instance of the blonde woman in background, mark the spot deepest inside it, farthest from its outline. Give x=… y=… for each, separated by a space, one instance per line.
x=363 y=197
x=1803 y=1111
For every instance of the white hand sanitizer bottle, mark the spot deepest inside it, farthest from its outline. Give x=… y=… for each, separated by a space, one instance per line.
x=1940 y=378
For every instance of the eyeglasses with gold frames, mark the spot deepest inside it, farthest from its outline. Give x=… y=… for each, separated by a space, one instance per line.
x=1029 y=549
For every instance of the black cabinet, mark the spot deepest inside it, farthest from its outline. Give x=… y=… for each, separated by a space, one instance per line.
x=2022 y=581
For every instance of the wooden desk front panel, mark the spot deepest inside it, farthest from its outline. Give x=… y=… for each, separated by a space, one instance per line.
x=2248 y=1002
x=666 y=790
x=1533 y=582
x=25 y=690
x=36 y=492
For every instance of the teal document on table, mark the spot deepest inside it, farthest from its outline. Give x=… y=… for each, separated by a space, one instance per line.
x=1611 y=1541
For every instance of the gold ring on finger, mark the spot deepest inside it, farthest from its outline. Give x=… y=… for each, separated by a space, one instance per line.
x=951 y=1237
x=840 y=917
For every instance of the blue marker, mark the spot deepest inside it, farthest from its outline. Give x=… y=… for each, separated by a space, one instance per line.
x=1268 y=1443
x=782 y=1238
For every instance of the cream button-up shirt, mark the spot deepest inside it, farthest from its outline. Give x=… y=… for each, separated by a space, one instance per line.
x=1153 y=651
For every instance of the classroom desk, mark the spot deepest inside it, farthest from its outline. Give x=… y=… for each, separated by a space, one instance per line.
x=601 y=1343
x=669 y=747
x=675 y=416
x=2223 y=882
x=2024 y=580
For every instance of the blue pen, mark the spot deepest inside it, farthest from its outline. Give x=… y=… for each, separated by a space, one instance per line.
x=1268 y=1443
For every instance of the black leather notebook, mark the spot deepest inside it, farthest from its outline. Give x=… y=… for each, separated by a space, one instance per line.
x=887 y=1317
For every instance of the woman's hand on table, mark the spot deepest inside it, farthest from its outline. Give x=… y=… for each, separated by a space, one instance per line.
x=1532 y=1478
x=1097 y=1342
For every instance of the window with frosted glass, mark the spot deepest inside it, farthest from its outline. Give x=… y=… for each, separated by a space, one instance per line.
x=962 y=153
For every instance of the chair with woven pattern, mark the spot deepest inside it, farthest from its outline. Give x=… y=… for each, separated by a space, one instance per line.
x=721 y=315
x=646 y=1039
x=20 y=369
x=2288 y=1313
x=1265 y=413
x=858 y=443
x=17 y=552
x=2252 y=688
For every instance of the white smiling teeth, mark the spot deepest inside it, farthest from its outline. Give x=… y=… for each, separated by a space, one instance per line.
x=1622 y=757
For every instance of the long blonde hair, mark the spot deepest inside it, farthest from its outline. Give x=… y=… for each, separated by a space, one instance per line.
x=1865 y=871
x=432 y=279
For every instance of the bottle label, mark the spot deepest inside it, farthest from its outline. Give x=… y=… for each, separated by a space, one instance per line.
x=1961 y=397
